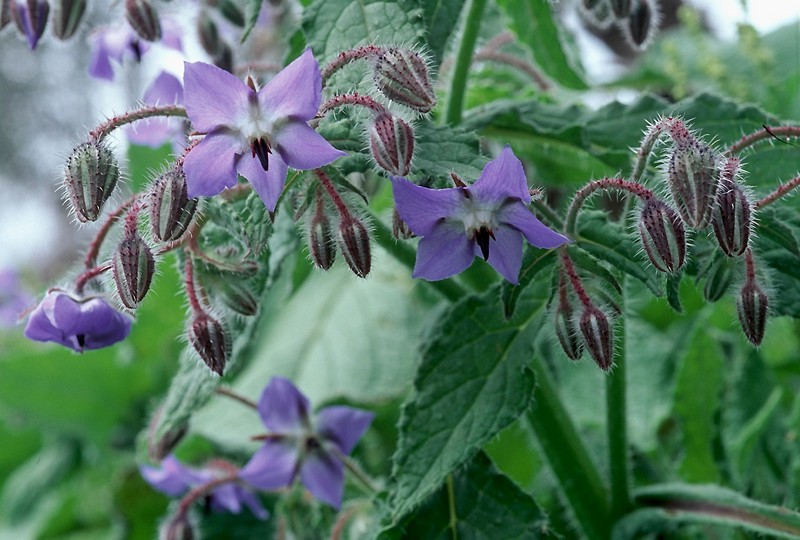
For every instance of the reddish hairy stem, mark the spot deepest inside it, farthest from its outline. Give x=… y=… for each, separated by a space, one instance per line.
x=782 y=190
x=508 y=59
x=90 y=259
x=750 y=267
x=189 y=285
x=606 y=183
x=351 y=99
x=765 y=133
x=574 y=279
x=332 y=193
x=88 y=275
x=201 y=491
x=104 y=129
x=227 y=392
x=345 y=57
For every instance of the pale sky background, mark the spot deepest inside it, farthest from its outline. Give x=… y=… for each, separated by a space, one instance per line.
x=28 y=226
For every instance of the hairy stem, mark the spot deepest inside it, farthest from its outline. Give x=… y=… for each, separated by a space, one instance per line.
x=781 y=190
x=570 y=224
x=104 y=129
x=765 y=133
x=90 y=259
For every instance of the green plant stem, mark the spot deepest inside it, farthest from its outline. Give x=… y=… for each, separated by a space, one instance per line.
x=577 y=474
x=458 y=86
x=616 y=424
x=407 y=255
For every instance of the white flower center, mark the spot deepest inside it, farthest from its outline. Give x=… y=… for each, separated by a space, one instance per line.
x=474 y=215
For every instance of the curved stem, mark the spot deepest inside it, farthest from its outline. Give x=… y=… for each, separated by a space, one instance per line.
x=227 y=392
x=458 y=86
x=571 y=463
x=345 y=57
x=90 y=259
x=570 y=223
x=765 y=133
x=511 y=60
x=88 y=275
x=355 y=99
x=104 y=129
x=782 y=190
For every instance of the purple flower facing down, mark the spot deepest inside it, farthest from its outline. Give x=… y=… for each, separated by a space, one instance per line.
x=175 y=479
x=112 y=43
x=154 y=132
x=298 y=444
x=31 y=19
x=487 y=219
x=13 y=298
x=80 y=324
x=258 y=134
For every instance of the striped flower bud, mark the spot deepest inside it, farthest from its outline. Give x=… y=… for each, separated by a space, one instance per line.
x=90 y=177
x=391 y=141
x=400 y=229
x=68 y=16
x=353 y=240
x=692 y=175
x=236 y=294
x=732 y=217
x=133 y=267
x=159 y=447
x=598 y=335
x=171 y=210
x=30 y=17
x=143 y=19
x=751 y=307
x=207 y=336
x=566 y=330
x=662 y=234
x=208 y=34
x=402 y=76
x=321 y=243
x=641 y=24
x=178 y=527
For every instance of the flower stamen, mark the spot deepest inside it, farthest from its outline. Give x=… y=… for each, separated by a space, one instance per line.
x=262 y=148
x=482 y=236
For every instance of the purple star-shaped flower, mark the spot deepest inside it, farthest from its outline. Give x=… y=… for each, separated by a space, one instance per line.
x=299 y=445
x=175 y=479
x=154 y=132
x=487 y=219
x=80 y=324
x=258 y=134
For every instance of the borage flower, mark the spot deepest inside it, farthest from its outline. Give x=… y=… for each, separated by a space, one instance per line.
x=487 y=219
x=257 y=133
x=77 y=323
x=174 y=479
x=299 y=445
x=113 y=43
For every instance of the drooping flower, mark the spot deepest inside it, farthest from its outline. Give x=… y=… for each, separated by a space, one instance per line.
x=298 y=444
x=257 y=133
x=77 y=323
x=13 y=298
x=112 y=43
x=487 y=219
x=31 y=19
x=174 y=479
x=154 y=132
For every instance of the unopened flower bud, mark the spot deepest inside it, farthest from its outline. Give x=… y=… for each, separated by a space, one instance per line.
x=732 y=218
x=566 y=330
x=641 y=24
x=90 y=177
x=692 y=176
x=237 y=295
x=207 y=336
x=400 y=229
x=402 y=76
x=391 y=141
x=208 y=34
x=751 y=307
x=662 y=234
x=598 y=336
x=621 y=8
x=133 y=268
x=177 y=527
x=171 y=209
x=30 y=17
x=68 y=15
x=353 y=241
x=143 y=19
x=719 y=278
x=224 y=58
x=162 y=446
x=321 y=243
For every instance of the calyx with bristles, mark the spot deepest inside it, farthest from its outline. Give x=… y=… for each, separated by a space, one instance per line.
x=90 y=177
x=402 y=76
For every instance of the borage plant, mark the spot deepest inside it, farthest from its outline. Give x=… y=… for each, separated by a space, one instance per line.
x=491 y=236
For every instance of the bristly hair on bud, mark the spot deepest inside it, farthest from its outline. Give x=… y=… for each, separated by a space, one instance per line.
x=662 y=235
x=598 y=335
x=133 y=265
x=90 y=176
x=321 y=242
x=391 y=142
x=565 y=322
x=209 y=339
x=400 y=229
x=732 y=215
x=401 y=75
x=354 y=243
x=171 y=211
x=693 y=177
x=640 y=27
x=178 y=527
x=752 y=304
x=68 y=16
x=143 y=19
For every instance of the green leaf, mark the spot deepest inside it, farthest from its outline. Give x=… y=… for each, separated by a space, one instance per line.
x=253 y=10
x=473 y=381
x=441 y=150
x=143 y=160
x=777 y=247
x=441 y=19
x=478 y=503
x=534 y=261
x=533 y=23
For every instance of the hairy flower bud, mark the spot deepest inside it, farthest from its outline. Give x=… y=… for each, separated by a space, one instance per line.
x=321 y=243
x=621 y=8
x=30 y=17
x=133 y=267
x=751 y=307
x=400 y=229
x=598 y=335
x=641 y=24
x=692 y=176
x=68 y=15
x=732 y=217
x=208 y=34
x=90 y=177
x=177 y=527
x=402 y=76
x=566 y=330
x=662 y=234
x=143 y=19
x=391 y=141
x=161 y=447
x=207 y=336
x=719 y=278
x=171 y=209
x=237 y=295
x=353 y=241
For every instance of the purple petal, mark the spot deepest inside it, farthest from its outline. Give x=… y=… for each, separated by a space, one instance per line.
x=422 y=208
x=503 y=177
x=253 y=503
x=214 y=98
x=323 y=476
x=268 y=184
x=274 y=465
x=101 y=325
x=166 y=89
x=518 y=216
x=443 y=253
x=283 y=408
x=343 y=426
x=172 y=478
x=210 y=166
x=171 y=34
x=295 y=92
x=303 y=148
x=505 y=252
x=226 y=498
x=152 y=132
x=100 y=62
